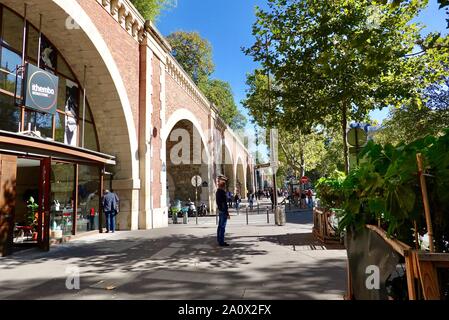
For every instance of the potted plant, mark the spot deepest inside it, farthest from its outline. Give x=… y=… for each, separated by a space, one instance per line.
x=384 y=195
x=32 y=216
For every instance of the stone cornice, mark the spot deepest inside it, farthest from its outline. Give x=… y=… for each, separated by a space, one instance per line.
x=124 y=12
x=185 y=82
x=145 y=32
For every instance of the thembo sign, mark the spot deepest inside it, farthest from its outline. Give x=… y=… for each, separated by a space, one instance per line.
x=41 y=90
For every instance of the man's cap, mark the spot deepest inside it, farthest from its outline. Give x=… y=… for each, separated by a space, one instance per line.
x=222 y=177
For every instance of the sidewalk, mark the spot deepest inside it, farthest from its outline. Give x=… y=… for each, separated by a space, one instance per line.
x=184 y=262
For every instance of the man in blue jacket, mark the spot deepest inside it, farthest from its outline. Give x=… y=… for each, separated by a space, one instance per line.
x=222 y=206
x=110 y=205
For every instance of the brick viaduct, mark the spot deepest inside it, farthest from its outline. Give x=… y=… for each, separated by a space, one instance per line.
x=142 y=101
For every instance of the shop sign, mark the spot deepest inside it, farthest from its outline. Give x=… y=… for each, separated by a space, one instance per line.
x=41 y=90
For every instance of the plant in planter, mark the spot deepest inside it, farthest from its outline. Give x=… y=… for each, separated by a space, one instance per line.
x=385 y=190
x=31 y=217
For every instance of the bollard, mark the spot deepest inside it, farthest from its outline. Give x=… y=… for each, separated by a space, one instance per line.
x=268 y=216
x=258 y=208
x=247 y=222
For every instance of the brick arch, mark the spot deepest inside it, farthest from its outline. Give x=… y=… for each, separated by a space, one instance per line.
x=185 y=114
x=240 y=172
x=106 y=91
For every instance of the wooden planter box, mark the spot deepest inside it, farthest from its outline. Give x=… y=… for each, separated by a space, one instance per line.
x=322 y=229
x=421 y=269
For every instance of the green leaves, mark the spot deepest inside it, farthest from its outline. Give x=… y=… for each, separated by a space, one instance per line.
x=328 y=55
x=193 y=53
x=386 y=186
x=150 y=9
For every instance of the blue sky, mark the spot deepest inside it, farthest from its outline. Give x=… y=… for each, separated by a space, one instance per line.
x=227 y=25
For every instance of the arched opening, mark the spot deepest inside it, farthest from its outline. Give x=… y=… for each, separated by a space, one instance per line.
x=227 y=167
x=240 y=179
x=187 y=157
x=249 y=180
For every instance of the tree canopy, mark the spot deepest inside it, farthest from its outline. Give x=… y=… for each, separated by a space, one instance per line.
x=343 y=59
x=406 y=125
x=150 y=9
x=194 y=53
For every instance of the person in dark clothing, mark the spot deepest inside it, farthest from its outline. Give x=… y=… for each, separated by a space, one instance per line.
x=223 y=212
x=110 y=205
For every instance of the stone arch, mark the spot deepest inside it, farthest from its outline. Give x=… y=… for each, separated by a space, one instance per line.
x=249 y=179
x=240 y=177
x=180 y=129
x=185 y=114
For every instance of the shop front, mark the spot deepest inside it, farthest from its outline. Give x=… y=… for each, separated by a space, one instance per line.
x=52 y=172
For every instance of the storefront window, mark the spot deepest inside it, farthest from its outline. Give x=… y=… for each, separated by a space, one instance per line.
x=39 y=122
x=48 y=55
x=32 y=42
x=62 y=199
x=12 y=29
x=9 y=61
x=60 y=127
x=68 y=125
x=9 y=114
x=88 y=198
x=64 y=68
x=90 y=138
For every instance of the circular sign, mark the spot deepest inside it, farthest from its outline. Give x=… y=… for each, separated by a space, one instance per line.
x=357 y=137
x=42 y=90
x=197 y=181
x=304 y=180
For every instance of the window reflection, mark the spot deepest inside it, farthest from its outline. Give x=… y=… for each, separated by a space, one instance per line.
x=12 y=29
x=60 y=127
x=9 y=114
x=62 y=199
x=88 y=198
x=41 y=123
x=90 y=138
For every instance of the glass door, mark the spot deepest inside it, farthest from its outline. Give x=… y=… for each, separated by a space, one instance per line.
x=44 y=204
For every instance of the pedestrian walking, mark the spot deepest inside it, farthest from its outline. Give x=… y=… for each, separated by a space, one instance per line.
x=222 y=206
x=310 y=199
x=229 y=198
x=237 y=201
x=110 y=207
x=251 y=201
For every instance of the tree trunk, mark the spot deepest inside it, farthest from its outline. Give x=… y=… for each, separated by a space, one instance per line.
x=344 y=127
x=303 y=164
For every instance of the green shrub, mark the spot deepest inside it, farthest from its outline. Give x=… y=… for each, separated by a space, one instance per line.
x=386 y=187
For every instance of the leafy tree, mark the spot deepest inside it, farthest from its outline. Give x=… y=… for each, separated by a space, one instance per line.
x=239 y=122
x=445 y=4
x=301 y=152
x=343 y=59
x=408 y=124
x=219 y=93
x=150 y=9
x=194 y=53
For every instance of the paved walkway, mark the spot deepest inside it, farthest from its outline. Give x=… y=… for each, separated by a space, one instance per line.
x=184 y=262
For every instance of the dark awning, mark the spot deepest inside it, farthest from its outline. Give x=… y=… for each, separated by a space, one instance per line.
x=20 y=144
